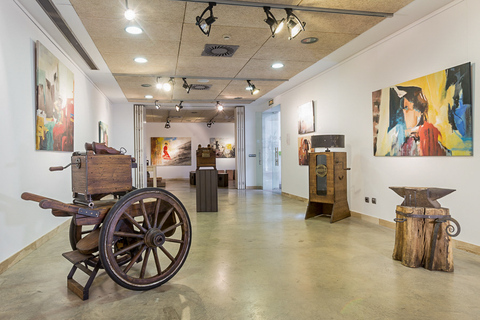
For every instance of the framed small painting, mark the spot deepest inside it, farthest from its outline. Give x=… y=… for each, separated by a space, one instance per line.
x=103 y=132
x=304 y=146
x=306 y=118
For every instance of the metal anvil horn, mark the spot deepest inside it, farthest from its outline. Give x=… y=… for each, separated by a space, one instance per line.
x=421 y=197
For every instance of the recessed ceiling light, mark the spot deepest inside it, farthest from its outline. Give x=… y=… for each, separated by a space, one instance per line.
x=203 y=80
x=277 y=65
x=309 y=40
x=148 y=96
x=134 y=29
x=140 y=60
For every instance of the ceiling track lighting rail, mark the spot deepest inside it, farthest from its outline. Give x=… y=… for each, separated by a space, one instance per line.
x=296 y=8
x=194 y=77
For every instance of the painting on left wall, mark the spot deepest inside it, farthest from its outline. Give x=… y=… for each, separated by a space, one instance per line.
x=54 y=102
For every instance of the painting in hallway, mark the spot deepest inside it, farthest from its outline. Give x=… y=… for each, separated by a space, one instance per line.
x=171 y=151
x=306 y=118
x=304 y=146
x=427 y=116
x=224 y=148
x=54 y=102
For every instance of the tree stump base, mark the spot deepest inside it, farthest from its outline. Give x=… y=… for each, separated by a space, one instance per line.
x=423 y=238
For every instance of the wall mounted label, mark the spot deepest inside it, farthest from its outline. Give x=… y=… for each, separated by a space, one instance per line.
x=252 y=155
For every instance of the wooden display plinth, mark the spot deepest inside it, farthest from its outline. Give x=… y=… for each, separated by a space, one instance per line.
x=414 y=238
x=207 y=190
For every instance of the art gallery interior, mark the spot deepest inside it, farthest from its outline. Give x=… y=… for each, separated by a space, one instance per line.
x=257 y=257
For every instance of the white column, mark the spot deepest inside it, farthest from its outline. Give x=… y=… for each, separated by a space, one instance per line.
x=139 y=120
x=240 y=147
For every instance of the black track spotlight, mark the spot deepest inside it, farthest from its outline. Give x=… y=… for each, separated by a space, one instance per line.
x=167 y=124
x=274 y=24
x=219 y=106
x=157 y=104
x=294 y=25
x=186 y=86
x=209 y=124
x=205 y=23
x=251 y=87
x=179 y=106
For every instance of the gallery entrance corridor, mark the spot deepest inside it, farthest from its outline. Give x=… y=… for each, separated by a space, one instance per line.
x=256 y=258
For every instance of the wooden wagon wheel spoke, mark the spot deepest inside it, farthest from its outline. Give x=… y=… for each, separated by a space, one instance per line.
x=173 y=227
x=157 y=211
x=157 y=261
x=128 y=235
x=132 y=220
x=144 y=264
x=167 y=254
x=144 y=213
x=134 y=259
x=129 y=248
x=169 y=212
x=142 y=224
x=173 y=240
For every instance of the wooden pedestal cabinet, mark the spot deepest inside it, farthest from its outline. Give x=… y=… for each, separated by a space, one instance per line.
x=328 y=185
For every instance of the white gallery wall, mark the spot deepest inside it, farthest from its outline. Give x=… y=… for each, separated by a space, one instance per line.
x=22 y=168
x=343 y=102
x=200 y=134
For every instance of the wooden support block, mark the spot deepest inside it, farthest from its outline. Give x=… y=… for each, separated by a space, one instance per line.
x=414 y=238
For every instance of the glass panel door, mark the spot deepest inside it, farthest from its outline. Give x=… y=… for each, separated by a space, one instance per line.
x=271 y=155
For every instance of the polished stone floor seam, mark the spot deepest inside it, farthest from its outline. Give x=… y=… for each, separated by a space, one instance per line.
x=256 y=258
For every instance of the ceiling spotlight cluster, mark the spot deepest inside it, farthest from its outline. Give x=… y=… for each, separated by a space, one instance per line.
x=294 y=25
x=179 y=106
x=205 y=23
x=132 y=27
x=251 y=87
x=186 y=86
x=167 y=86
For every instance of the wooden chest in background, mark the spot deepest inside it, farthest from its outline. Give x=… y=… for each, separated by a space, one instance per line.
x=206 y=157
x=98 y=174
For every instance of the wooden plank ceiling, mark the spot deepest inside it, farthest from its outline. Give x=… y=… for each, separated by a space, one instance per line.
x=173 y=46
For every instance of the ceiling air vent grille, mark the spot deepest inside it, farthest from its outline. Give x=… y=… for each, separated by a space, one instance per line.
x=201 y=86
x=219 y=50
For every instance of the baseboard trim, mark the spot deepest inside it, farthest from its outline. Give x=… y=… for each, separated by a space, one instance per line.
x=294 y=197
x=11 y=261
x=461 y=245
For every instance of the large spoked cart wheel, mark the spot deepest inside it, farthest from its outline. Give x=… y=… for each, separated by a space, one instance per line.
x=150 y=226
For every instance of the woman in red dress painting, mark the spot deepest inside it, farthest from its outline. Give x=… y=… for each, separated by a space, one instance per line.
x=165 y=154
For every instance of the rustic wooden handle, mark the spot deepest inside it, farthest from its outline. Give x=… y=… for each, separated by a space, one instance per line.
x=32 y=197
x=59 y=168
x=54 y=204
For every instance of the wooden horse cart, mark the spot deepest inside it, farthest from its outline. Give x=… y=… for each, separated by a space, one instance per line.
x=141 y=237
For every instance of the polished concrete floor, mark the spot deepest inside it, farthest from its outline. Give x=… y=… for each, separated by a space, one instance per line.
x=256 y=258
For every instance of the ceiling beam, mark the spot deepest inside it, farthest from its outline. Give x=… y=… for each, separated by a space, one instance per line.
x=297 y=8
